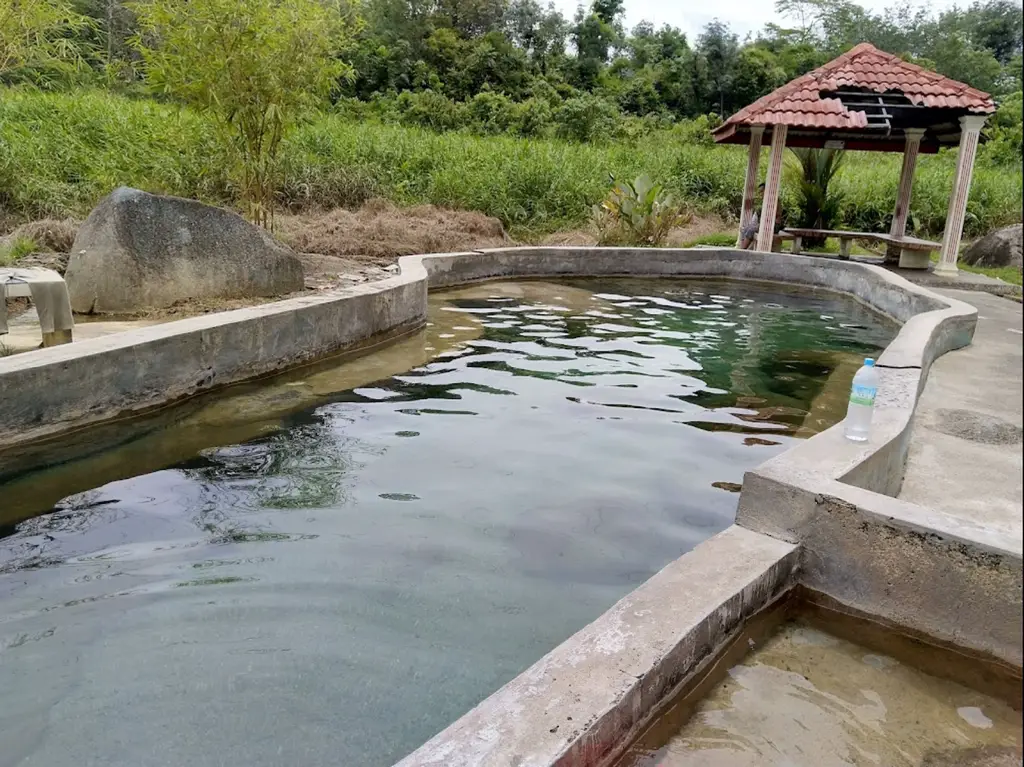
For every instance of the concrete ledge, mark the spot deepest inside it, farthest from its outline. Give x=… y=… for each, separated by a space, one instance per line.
x=46 y=392
x=597 y=689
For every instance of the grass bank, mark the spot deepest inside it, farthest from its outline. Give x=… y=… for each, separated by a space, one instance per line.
x=61 y=152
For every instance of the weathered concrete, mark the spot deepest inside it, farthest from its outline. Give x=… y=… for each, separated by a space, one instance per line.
x=46 y=392
x=957 y=577
x=965 y=452
x=588 y=696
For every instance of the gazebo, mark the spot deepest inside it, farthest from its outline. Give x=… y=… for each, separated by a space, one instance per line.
x=865 y=100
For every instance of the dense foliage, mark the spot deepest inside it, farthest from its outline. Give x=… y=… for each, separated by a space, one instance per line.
x=60 y=152
x=503 y=106
x=498 y=66
x=256 y=67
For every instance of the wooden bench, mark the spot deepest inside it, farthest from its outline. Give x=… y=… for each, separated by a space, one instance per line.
x=914 y=253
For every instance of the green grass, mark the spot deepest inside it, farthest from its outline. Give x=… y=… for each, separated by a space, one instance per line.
x=721 y=240
x=1010 y=274
x=61 y=152
x=15 y=251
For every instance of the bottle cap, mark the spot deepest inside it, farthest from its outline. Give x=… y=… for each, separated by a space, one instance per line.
x=869 y=363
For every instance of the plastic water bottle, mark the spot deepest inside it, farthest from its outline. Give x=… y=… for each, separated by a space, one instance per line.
x=862 y=402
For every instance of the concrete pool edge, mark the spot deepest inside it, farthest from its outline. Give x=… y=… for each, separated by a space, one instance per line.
x=598 y=689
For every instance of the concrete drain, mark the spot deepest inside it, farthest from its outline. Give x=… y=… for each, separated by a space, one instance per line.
x=977 y=427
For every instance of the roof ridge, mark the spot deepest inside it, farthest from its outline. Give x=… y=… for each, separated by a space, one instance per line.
x=902 y=73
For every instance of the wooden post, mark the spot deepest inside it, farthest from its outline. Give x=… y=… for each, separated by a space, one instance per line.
x=970 y=127
x=902 y=212
x=771 y=189
x=750 y=184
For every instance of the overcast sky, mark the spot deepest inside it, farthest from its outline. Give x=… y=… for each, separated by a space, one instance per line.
x=742 y=15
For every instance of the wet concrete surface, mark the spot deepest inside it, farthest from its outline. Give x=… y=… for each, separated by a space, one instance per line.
x=806 y=698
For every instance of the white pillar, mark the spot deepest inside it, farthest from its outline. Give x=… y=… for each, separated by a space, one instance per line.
x=970 y=127
x=766 y=234
x=750 y=185
x=902 y=212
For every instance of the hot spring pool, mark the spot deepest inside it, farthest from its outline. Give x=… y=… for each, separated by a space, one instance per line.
x=331 y=566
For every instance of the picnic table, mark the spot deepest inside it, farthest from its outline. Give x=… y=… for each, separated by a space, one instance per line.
x=50 y=295
x=914 y=253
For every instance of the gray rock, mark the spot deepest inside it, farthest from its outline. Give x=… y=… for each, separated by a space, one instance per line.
x=145 y=251
x=999 y=248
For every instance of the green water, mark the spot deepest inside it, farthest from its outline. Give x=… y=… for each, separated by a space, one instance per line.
x=331 y=566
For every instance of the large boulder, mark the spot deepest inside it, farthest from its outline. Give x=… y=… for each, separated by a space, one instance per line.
x=146 y=251
x=999 y=248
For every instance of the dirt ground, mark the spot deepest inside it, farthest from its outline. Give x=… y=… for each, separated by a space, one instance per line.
x=340 y=247
x=699 y=226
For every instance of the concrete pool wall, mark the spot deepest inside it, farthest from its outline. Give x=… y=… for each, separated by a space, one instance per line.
x=821 y=515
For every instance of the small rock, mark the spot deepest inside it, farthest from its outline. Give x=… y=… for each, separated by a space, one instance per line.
x=731 y=487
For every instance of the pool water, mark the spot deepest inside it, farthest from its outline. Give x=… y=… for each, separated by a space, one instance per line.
x=331 y=566
x=807 y=698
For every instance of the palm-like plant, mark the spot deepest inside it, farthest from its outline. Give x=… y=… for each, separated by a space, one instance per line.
x=637 y=213
x=812 y=175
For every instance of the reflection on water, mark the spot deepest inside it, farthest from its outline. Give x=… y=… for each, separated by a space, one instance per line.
x=334 y=564
x=809 y=699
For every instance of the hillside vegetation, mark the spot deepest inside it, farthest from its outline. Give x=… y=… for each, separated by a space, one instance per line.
x=63 y=151
x=498 y=106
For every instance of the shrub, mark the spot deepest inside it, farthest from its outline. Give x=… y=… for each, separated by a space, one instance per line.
x=811 y=176
x=16 y=249
x=256 y=67
x=640 y=213
x=535 y=116
x=428 y=109
x=587 y=118
x=493 y=113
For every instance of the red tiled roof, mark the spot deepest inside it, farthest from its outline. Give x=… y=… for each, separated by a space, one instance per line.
x=800 y=104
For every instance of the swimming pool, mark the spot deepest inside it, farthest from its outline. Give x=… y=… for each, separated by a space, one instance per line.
x=332 y=565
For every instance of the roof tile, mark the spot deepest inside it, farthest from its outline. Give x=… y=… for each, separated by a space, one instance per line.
x=800 y=103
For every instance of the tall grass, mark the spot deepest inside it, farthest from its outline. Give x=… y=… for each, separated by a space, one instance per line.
x=61 y=152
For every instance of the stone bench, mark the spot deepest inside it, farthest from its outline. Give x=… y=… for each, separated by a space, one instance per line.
x=914 y=253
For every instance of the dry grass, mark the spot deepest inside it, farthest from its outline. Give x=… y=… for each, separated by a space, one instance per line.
x=679 y=237
x=49 y=234
x=381 y=232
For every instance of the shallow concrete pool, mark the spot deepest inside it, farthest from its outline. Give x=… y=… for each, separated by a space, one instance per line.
x=330 y=566
x=808 y=698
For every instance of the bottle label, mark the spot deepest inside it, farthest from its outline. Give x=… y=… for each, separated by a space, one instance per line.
x=863 y=395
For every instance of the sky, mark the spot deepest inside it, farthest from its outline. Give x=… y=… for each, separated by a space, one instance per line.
x=742 y=15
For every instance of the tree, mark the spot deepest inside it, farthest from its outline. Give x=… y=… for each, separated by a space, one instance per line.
x=38 y=34
x=757 y=72
x=257 y=66
x=719 y=47
x=997 y=26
